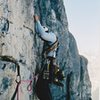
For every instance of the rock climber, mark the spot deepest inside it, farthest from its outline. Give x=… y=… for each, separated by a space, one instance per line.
x=52 y=72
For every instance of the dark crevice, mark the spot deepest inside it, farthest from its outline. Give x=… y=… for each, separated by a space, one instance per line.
x=68 y=86
x=4 y=25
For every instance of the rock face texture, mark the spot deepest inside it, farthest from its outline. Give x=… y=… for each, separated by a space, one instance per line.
x=19 y=40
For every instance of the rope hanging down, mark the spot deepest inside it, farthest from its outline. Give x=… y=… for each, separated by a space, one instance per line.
x=11 y=59
x=18 y=78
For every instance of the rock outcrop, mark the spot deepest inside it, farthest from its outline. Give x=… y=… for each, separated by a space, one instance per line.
x=19 y=40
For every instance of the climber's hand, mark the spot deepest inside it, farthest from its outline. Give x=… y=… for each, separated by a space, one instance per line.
x=36 y=18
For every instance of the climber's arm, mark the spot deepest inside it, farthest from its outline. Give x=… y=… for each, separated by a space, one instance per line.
x=44 y=35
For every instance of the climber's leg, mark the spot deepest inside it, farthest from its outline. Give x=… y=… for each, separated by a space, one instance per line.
x=42 y=89
x=55 y=75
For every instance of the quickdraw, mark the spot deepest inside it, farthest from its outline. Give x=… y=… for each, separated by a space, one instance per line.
x=29 y=87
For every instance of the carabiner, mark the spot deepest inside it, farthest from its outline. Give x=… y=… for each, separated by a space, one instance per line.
x=29 y=87
x=18 y=79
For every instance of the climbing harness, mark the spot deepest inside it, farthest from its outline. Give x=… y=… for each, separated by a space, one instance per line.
x=51 y=47
x=18 y=78
x=53 y=74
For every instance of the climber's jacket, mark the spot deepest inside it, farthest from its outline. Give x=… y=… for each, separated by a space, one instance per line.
x=50 y=39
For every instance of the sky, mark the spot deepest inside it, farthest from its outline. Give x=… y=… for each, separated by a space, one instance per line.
x=84 y=23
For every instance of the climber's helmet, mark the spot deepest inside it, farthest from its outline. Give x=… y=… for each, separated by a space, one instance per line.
x=45 y=29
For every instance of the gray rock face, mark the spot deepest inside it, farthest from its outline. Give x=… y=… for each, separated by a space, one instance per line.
x=19 y=40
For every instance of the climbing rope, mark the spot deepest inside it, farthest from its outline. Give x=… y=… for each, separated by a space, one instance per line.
x=29 y=87
x=18 y=78
x=11 y=59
